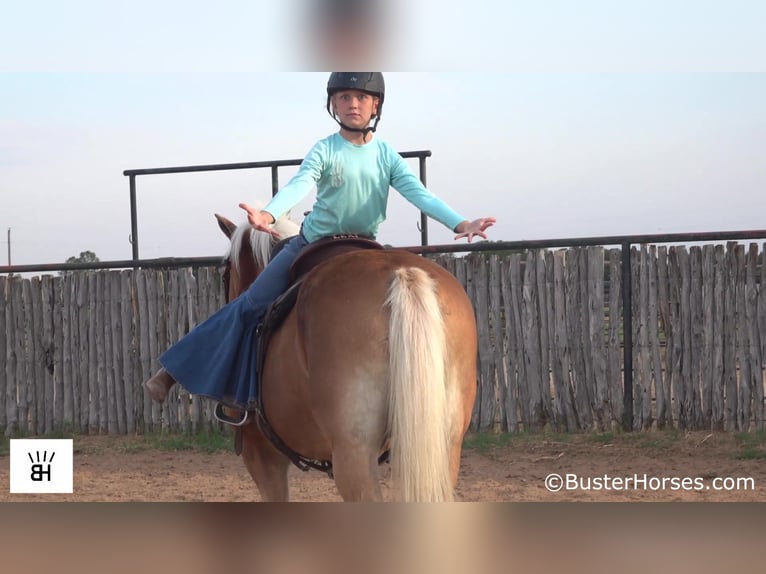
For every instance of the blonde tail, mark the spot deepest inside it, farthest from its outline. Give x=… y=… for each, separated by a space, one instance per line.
x=419 y=401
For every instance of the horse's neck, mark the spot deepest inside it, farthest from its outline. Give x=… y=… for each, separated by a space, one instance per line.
x=248 y=253
x=248 y=268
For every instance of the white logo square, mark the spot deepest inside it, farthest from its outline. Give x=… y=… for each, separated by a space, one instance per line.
x=41 y=465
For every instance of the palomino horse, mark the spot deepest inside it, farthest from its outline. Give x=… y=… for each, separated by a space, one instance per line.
x=378 y=353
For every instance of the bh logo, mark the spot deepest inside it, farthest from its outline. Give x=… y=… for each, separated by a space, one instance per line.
x=41 y=465
x=40 y=471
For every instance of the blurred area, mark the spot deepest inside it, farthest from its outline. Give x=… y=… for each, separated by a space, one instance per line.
x=345 y=34
x=354 y=538
x=303 y=35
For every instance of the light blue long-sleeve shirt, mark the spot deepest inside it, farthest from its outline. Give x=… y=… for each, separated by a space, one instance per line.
x=352 y=184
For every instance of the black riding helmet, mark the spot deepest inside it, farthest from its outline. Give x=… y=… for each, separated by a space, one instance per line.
x=369 y=82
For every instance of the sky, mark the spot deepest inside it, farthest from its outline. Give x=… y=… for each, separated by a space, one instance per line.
x=559 y=122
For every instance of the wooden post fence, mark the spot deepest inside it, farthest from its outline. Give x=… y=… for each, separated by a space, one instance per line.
x=74 y=348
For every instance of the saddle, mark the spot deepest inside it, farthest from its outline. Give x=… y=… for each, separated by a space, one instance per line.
x=309 y=258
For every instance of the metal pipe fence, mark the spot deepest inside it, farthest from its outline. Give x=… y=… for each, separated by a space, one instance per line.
x=273 y=165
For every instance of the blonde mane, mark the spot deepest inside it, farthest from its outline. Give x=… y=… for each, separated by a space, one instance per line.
x=260 y=243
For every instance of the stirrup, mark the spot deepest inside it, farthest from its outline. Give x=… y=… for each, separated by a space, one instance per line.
x=221 y=416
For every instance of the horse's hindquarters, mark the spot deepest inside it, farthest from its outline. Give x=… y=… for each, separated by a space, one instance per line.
x=328 y=371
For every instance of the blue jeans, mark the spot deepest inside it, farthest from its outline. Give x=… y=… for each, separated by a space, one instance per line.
x=273 y=280
x=217 y=359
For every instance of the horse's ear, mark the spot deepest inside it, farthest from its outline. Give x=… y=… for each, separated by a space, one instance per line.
x=226 y=225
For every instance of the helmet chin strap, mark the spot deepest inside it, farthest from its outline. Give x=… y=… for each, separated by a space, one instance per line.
x=363 y=131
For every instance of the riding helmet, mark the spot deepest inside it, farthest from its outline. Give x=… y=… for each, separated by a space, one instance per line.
x=369 y=82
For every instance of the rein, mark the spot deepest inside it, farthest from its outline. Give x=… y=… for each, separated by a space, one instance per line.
x=226 y=278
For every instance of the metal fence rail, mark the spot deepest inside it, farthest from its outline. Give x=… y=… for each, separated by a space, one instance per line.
x=273 y=165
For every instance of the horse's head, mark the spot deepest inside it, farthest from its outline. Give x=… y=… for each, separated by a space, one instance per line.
x=249 y=251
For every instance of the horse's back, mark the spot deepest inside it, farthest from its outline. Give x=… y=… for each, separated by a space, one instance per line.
x=362 y=273
x=349 y=292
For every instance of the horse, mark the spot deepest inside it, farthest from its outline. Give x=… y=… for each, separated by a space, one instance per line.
x=378 y=355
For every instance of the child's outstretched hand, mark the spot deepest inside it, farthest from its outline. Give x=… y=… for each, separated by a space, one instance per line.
x=260 y=220
x=476 y=227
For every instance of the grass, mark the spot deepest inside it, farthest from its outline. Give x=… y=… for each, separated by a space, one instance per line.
x=205 y=441
x=747 y=445
x=751 y=454
x=602 y=438
x=657 y=440
x=653 y=440
x=484 y=442
x=752 y=445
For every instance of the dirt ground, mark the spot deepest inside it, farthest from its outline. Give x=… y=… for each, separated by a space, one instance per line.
x=716 y=467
